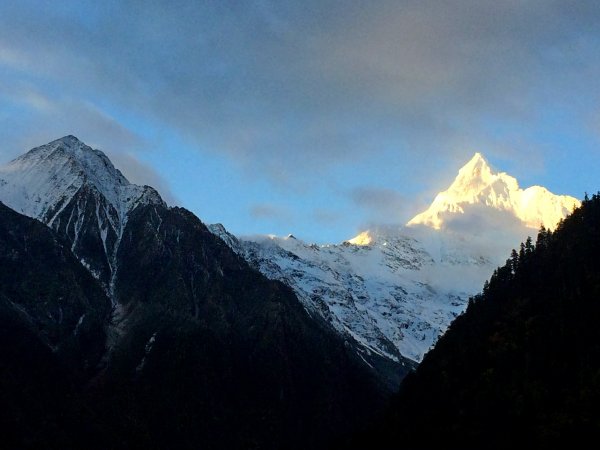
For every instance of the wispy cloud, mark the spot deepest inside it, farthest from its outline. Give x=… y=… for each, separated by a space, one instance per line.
x=382 y=205
x=326 y=217
x=40 y=117
x=138 y=172
x=269 y=212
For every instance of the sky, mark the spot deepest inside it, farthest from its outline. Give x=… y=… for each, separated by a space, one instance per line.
x=316 y=118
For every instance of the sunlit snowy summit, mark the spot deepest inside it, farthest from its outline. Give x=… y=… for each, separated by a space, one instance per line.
x=396 y=289
x=476 y=184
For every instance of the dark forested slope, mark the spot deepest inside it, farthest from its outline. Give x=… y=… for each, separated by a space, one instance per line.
x=199 y=350
x=522 y=365
x=214 y=355
x=52 y=319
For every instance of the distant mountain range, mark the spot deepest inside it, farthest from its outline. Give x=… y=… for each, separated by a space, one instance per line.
x=395 y=290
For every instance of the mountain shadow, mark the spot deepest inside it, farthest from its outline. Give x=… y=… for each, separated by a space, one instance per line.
x=52 y=333
x=212 y=353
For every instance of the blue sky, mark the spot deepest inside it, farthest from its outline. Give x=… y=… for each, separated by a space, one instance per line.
x=315 y=117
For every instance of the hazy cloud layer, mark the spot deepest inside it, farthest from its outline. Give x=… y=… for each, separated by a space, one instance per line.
x=38 y=117
x=288 y=82
x=326 y=217
x=270 y=212
x=382 y=205
x=138 y=172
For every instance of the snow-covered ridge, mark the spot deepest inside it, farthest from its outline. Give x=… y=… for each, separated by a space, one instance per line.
x=395 y=290
x=392 y=296
x=476 y=184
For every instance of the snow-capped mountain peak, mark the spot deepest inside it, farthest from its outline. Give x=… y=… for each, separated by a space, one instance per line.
x=48 y=176
x=77 y=191
x=473 y=176
x=478 y=185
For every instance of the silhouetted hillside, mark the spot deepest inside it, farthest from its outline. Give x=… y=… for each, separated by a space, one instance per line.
x=522 y=365
x=201 y=351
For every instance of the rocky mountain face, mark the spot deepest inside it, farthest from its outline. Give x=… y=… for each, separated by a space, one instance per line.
x=167 y=334
x=44 y=283
x=395 y=290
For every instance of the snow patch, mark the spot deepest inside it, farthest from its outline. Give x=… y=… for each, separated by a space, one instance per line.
x=79 y=322
x=147 y=350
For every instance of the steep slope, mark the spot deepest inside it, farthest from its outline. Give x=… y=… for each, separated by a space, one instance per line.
x=52 y=318
x=43 y=283
x=521 y=365
x=78 y=192
x=201 y=349
x=332 y=288
x=394 y=290
x=219 y=354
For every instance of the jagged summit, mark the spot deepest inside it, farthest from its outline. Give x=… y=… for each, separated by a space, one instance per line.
x=479 y=189
x=69 y=149
x=477 y=162
x=478 y=185
x=473 y=175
